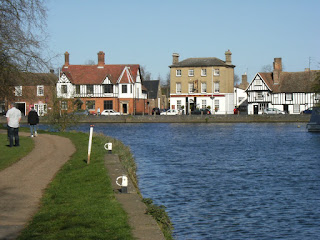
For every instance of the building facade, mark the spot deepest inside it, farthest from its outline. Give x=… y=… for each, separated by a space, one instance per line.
x=202 y=83
x=33 y=90
x=291 y=92
x=102 y=86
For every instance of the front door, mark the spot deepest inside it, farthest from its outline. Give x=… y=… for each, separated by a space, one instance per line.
x=255 y=109
x=125 y=108
x=286 y=108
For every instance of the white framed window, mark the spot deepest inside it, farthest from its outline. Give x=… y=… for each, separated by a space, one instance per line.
x=178 y=104
x=317 y=97
x=203 y=72
x=288 y=96
x=18 y=91
x=191 y=73
x=203 y=87
x=258 y=83
x=178 y=72
x=77 y=89
x=296 y=108
x=40 y=90
x=259 y=96
x=216 y=72
x=64 y=105
x=216 y=87
x=178 y=87
x=191 y=87
x=216 y=105
x=204 y=104
x=91 y=104
x=124 y=89
x=64 y=89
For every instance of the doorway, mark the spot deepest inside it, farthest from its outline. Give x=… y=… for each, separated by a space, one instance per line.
x=22 y=108
x=125 y=108
x=286 y=108
x=255 y=109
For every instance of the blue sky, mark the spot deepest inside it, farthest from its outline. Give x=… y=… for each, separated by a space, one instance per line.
x=148 y=32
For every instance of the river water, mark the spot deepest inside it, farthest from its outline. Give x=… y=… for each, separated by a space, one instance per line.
x=228 y=181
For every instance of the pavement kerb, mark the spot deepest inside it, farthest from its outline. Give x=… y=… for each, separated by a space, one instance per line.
x=144 y=227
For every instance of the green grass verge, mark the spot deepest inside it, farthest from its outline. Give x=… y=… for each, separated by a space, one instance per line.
x=80 y=203
x=11 y=155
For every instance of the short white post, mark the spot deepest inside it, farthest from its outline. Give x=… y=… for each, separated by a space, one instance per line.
x=108 y=147
x=90 y=143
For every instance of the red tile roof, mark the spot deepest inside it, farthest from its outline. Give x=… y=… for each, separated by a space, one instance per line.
x=92 y=74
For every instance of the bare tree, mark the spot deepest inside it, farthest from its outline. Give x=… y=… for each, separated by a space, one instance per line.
x=236 y=79
x=145 y=74
x=267 y=68
x=22 y=40
x=22 y=34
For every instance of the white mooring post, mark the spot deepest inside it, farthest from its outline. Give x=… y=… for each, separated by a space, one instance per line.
x=124 y=183
x=108 y=147
x=90 y=143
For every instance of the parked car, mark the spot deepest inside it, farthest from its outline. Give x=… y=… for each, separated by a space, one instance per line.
x=307 y=111
x=204 y=111
x=273 y=111
x=155 y=111
x=81 y=112
x=109 y=112
x=170 y=112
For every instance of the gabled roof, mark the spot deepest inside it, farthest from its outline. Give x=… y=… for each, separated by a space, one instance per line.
x=92 y=74
x=152 y=88
x=201 y=62
x=32 y=79
x=291 y=81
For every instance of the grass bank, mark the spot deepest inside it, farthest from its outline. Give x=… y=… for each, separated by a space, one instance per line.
x=80 y=203
x=11 y=155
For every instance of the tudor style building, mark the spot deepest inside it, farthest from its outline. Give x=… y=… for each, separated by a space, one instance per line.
x=287 y=91
x=202 y=83
x=117 y=87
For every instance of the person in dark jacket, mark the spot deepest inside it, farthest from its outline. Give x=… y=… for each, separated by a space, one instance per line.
x=33 y=120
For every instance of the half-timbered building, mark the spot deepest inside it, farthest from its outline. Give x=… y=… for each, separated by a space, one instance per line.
x=291 y=92
x=102 y=86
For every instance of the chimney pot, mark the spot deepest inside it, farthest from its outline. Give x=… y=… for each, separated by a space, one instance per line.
x=277 y=69
x=66 y=59
x=228 y=57
x=175 y=58
x=101 y=62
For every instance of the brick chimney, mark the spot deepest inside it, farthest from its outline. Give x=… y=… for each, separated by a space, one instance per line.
x=228 y=57
x=277 y=69
x=175 y=58
x=244 y=84
x=66 y=60
x=101 y=59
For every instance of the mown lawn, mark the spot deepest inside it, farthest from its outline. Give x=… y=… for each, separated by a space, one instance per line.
x=80 y=203
x=11 y=155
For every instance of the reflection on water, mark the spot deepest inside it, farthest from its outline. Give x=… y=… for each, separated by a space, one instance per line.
x=229 y=181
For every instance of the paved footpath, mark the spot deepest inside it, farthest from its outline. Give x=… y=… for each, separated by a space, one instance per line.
x=22 y=184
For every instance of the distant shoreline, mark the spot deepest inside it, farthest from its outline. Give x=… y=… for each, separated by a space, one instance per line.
x=187 y=119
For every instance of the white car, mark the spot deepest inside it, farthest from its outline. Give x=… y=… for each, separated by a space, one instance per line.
x=110 y=112
x=273 y=111
x=170 y=112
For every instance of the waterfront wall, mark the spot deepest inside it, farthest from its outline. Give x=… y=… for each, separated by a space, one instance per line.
x=185 y=119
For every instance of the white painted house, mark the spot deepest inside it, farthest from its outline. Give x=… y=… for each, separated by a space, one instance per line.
x=287 y=91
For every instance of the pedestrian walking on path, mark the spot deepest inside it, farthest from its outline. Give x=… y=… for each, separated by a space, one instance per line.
x=33 y=120
x=13 y=121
